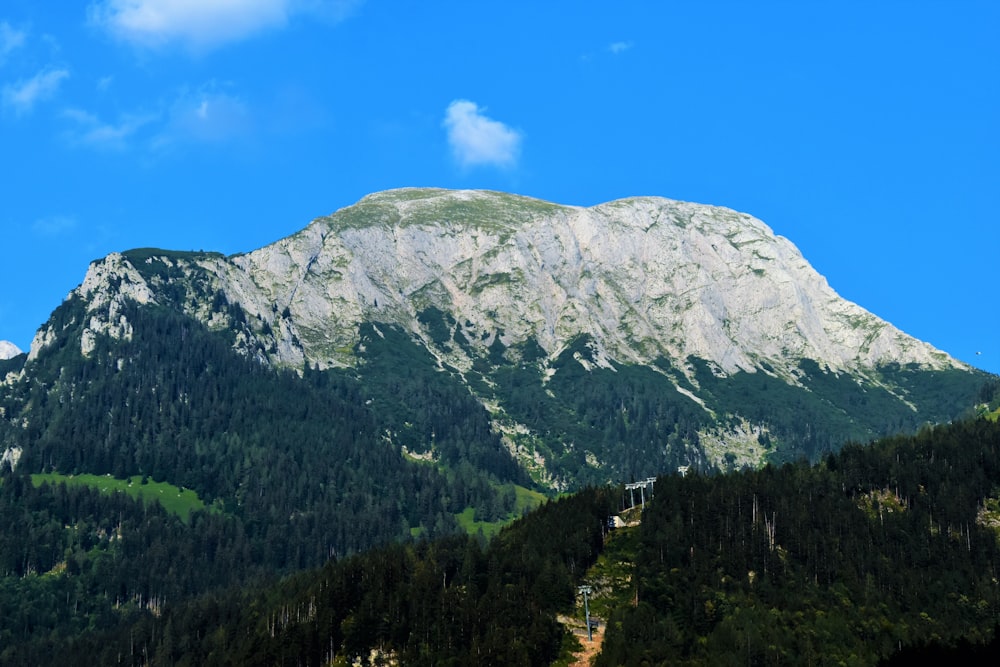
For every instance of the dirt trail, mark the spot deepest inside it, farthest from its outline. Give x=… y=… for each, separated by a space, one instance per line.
x=590 y=650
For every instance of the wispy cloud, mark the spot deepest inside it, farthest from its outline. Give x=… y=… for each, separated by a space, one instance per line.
x=202 y=25
x=619 y=47
x=91 y=131
x=10 y=40
x=53 y=226
x=206 y=116
x=203 y=116
x=22 y=96
x=198 y=24
x=476 y=139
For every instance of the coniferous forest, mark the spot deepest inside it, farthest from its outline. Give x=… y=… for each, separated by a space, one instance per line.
x=876 y=548
x=875 y=552
x=293 y=469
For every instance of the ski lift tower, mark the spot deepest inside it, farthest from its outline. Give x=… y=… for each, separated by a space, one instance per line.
x=586 y=590
x=631 y=492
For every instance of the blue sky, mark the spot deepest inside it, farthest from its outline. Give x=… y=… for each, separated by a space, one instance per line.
x=866 y=133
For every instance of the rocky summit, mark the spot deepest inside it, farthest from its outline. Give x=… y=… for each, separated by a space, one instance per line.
x=643 y=278
x=707 y=304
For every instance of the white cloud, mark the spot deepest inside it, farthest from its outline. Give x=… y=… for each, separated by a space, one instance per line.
x=197 y=24
x=619 y=47
x=92 y=131
x=201 y=25
x=23 y=95
x=203 y=116
x=476 y=139
x=10 y=40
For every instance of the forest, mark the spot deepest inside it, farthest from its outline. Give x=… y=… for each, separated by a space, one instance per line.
x=293 y=468
x=877 y=547
x=454 y=600
x=876 y=553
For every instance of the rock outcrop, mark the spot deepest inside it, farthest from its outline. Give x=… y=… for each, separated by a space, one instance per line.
x=643 y=277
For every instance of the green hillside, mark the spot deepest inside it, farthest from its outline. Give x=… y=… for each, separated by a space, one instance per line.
x=840 y=563
x=871 y=553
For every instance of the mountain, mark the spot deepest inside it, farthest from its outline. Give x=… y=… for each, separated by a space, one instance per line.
x=423 y=363
x=8 y=350
x=604 y=343
x=642 y=278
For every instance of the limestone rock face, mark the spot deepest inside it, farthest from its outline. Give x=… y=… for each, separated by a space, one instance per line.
x=105 y=288
x=645 y=278
x=701 y=297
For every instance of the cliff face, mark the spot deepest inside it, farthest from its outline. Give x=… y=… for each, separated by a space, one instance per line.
x=706 y=292
x=643 y=278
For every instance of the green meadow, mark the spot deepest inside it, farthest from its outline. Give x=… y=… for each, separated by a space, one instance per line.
x=525 y=500
x=179 y=502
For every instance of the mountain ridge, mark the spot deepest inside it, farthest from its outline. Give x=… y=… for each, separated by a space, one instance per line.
x=702 y=306
x=438 y=254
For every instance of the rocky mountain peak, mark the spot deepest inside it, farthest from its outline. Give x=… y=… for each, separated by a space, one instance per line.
x=644 y=278
x=706 y=304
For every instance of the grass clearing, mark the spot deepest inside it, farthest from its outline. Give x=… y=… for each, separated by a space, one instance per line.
x=177 y=501
x=467 y=520
x=525 y=500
